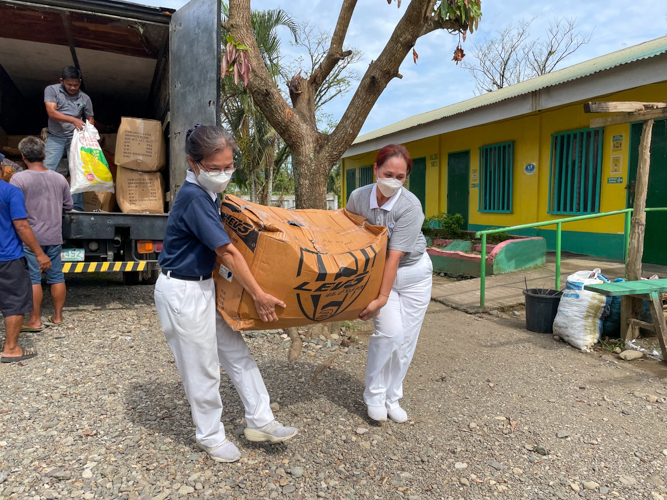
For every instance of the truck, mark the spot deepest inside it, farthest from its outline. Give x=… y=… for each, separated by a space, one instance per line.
x=137 y=61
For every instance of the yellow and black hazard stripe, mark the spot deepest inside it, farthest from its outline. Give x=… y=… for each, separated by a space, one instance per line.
x=103 y=267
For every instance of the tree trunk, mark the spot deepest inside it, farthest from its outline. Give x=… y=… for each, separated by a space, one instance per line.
x=638 y=227
x=268 y=188
x=630 y=308
x=269 y=167
x=310 y=178
x=252 y=188
x=313 y=153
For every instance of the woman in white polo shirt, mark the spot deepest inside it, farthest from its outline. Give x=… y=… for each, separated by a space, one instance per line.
x=399 y=309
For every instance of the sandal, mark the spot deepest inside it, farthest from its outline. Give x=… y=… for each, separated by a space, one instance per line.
x=29 y=329
x=27 y=354
x=50 y=322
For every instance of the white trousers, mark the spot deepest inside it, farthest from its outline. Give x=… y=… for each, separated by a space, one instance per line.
x=391 y=347
x=201 y=341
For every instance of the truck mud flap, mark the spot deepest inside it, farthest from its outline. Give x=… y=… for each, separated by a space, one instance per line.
x=103 y=267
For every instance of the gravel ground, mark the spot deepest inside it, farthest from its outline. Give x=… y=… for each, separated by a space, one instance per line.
x=496 y=412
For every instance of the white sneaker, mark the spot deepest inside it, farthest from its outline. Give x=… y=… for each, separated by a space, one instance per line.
x=273 y=432
x=224 y=452
x=398 y=415
x=378 y=413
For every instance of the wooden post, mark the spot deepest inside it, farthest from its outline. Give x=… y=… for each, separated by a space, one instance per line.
x=637 y=231
x=638 y=227
x=659 y=322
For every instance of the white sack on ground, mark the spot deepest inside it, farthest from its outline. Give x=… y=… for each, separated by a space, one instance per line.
x=580 y=313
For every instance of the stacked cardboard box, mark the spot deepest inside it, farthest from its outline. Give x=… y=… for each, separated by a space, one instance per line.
x=139 y=156
x=140 y=145
x=135 y=156
x=139 y=192
x=99 y=200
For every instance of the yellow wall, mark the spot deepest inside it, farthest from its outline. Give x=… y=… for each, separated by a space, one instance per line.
x=531 y=135
x=524 y=132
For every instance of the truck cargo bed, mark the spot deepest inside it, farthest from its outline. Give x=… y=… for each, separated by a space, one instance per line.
x=105 y=225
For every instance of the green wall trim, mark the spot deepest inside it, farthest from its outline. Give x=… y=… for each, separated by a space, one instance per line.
x=458 y=267
x=521 y=232
x=519 y=255
x=460 y=246
x=609 y=246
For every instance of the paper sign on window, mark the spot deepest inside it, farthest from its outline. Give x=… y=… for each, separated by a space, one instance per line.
x=616 y=143
x=615 y=164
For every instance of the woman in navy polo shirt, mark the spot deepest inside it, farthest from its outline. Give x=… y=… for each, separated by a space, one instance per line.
x=185 y=299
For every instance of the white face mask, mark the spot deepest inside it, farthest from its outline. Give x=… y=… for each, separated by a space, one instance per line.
x=215 y=182
x=389 y=187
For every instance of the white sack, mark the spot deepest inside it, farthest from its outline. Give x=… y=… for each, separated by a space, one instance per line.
x=88 y=168
x=580 y=313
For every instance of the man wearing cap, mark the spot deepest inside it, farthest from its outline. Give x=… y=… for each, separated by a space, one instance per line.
x=68 y=108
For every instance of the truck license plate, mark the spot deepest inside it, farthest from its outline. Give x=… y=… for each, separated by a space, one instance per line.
x=73 y=255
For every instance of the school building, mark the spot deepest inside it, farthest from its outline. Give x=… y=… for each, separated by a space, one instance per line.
x=526 y=153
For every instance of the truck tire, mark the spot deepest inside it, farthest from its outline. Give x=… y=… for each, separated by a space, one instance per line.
x=149 y=277
x=133 y=278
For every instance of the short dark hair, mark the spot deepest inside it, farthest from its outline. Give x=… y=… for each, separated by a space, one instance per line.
x=394 y=151
x=70 y=72
x=33 y=149
x=207 y=140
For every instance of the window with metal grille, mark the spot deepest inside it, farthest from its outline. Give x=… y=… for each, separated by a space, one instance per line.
x=350 y=181
x=576 y=166
x=365 y=175
x=496 y=173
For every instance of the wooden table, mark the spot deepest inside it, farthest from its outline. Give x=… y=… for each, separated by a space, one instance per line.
x=646 y=290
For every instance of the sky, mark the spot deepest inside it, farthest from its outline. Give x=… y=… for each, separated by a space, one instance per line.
x=436 y=81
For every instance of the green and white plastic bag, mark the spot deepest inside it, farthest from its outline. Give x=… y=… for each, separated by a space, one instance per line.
x=88 y=168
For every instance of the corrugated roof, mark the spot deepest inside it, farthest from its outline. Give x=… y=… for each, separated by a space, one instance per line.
x=635 y=53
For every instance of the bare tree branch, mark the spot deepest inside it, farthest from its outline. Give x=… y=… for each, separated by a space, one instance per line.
x=316 y=44
x=563 y=40
x=512 y=57
x=500 y=61
x=336 y=52
x=379 y=73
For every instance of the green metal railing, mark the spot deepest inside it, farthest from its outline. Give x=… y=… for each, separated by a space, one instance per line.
x=559 y=224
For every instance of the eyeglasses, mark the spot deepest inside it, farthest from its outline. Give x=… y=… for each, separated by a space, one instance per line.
x=216 y=168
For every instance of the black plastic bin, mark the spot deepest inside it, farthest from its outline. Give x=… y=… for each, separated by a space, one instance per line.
x=541 y=309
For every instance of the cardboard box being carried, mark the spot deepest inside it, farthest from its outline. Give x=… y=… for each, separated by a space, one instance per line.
x=326 y=265
x=99 y=200
x=139 y=192
x=140 y=145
